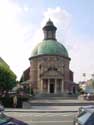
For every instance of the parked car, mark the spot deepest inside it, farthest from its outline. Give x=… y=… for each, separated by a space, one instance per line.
x=83 y=108
x=89 y=96
x=6 y=120
x=85 y=116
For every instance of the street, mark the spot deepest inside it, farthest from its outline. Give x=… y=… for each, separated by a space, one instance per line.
x=44 y=118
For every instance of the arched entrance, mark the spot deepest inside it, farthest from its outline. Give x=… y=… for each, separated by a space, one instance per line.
x=52 y=85
x=74 y=90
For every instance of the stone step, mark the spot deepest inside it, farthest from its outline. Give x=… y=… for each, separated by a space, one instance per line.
x=61 y=104
x=54 y=97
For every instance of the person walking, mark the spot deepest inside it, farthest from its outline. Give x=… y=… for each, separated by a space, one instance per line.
x=15 y=101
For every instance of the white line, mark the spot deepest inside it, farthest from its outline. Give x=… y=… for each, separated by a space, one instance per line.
x=52 y=114
x=41 y=115
x=47 y=121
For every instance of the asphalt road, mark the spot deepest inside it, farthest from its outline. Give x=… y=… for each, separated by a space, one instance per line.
x=44 y=118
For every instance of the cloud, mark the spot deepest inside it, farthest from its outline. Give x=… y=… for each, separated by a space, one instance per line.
x=57 y=15
x=61 y=19
x=12 y=47
x=82 y=58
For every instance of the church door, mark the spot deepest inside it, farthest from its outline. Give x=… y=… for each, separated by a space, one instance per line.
x=74 y=90
x=51 y=88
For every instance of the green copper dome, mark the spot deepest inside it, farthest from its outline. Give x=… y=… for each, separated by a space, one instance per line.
x=51 y=47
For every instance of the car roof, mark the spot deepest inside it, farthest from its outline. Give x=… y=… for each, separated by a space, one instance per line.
x=86 y=117
x=88 y=106
x=83 y=118
x=90 y=110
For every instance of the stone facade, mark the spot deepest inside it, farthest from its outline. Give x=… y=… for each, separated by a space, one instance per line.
x=49 y=66
x=50 y=74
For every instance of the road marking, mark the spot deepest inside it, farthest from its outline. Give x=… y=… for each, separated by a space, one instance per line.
x=48 y=121
x=41 y=114
x=52 y=114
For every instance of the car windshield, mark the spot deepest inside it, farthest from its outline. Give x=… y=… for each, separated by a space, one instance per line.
x=81 y=113
x=81 y=109
x=83 y=118
x=3 y=118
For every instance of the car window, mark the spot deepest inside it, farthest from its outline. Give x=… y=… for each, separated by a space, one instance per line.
x=3 y=118
x=83 y=118
x=81 y=113
x=81 y=110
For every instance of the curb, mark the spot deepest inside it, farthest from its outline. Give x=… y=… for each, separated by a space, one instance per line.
x=39 y=111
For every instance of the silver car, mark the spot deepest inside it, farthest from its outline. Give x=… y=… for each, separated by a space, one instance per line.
x=85 y=116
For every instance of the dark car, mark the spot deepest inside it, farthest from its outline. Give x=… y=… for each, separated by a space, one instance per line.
x=85 y=116
x=6 y=120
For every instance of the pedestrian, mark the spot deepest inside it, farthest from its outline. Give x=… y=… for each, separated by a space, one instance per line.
x=15 y=101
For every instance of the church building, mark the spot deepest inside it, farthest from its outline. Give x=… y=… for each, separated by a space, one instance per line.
x=49 y=72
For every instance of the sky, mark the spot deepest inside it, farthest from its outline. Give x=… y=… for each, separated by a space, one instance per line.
x=21 y=23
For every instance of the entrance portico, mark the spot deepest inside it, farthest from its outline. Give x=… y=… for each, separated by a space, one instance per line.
x=52 y=86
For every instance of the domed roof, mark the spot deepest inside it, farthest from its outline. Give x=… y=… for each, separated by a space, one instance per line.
x=51 y=47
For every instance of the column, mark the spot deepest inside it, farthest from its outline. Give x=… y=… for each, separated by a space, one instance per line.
x=48 y=86
x=55 y=86
x=41 y=86
x=62 y=86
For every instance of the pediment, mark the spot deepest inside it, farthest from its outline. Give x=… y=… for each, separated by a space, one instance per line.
x=52 y=74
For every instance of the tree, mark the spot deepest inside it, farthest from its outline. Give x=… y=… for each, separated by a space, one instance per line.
x=7 y=77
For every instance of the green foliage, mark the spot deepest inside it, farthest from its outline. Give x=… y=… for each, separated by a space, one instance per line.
x=7 y=77
x=80 y=90
x=7 y=101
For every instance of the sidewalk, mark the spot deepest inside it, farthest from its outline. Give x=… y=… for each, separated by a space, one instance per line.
x=45 y=109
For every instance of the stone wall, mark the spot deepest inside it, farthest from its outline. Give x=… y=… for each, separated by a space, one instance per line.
x=42 y=64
